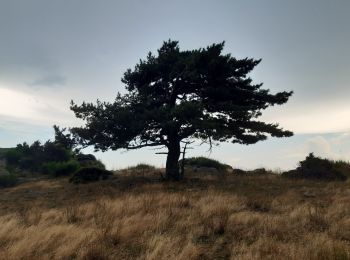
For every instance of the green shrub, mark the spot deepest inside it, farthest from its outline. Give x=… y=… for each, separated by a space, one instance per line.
x=7 y=180
x=89 y=164
x=13 y=156
x=98 y=164
x=31 y=157
x=85 y=157
x=89 y=160
x=343 y=167
x=142 y=167
x=3 y=151
x=58 y=169
x=258 y=171
x=90 y=174
x=56 y=152
x=199 y=162
x=239 y=172
x=316 y=168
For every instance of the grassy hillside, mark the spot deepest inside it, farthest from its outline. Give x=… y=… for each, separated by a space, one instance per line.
x=211 y=217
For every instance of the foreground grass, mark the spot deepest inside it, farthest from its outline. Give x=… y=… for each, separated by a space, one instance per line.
x=236 y=217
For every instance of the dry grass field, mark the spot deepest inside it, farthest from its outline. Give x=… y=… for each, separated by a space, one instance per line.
x=207 y=217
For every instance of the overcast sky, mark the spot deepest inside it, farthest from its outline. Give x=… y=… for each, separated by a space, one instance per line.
x=54 y=51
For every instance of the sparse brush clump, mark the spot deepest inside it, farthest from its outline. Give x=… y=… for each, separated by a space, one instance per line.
x=142 y=168
x=317 y=168
x=59 y=169
x=90 y=174
x=258 y=171
x=89 y=160
x=203 y=162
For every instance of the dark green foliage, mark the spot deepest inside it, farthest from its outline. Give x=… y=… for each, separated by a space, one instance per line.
x=54 y=158
x=3 y=151
x=97 y=164
x=258 y=171
x=89 y=160
x=142 y=167
x=316 y=168
x=13 y=156
x=85 y=157
x=90 y=174
x=203 y=162
x=59 y=169
x=64 y=139
x=31 y=157
x=7 y=180
x=176 y=95
x=343 y=167
x=239 y=171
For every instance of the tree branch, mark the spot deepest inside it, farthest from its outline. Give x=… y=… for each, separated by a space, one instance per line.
x=143 y=145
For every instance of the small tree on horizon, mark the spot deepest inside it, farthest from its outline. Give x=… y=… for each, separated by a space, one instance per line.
x=66 y=140
x=176 y=95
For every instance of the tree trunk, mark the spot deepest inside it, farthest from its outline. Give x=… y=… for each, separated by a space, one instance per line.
x=172 y=163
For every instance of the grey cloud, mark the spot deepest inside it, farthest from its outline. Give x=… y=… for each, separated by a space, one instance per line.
x=49 y=81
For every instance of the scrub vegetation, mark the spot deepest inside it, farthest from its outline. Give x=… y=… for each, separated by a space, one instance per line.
x=208 y=215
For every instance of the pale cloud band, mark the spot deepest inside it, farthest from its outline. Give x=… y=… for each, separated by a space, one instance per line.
x=34 y=109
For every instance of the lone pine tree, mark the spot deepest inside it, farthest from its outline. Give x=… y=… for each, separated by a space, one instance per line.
x=175 y=95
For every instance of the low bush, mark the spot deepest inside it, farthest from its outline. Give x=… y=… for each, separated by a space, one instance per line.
x=85 y=157
x=204 y=162
x=3 y=151
x=239 y=171
x=58 y=169
x=13 y=156
x=89 y=160
x=90 y=174
x=343 y=167
x=258 y=171
x=89 y=164
x=316 y=168
x=7 y=180
x=142 y=168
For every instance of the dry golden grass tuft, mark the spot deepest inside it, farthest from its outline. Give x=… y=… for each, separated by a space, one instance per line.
x=203 y=217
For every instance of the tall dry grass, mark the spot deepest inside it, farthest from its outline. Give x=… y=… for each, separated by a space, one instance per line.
x=236 y=217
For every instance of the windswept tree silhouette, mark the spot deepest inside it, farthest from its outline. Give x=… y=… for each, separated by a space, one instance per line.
x=176 y=95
